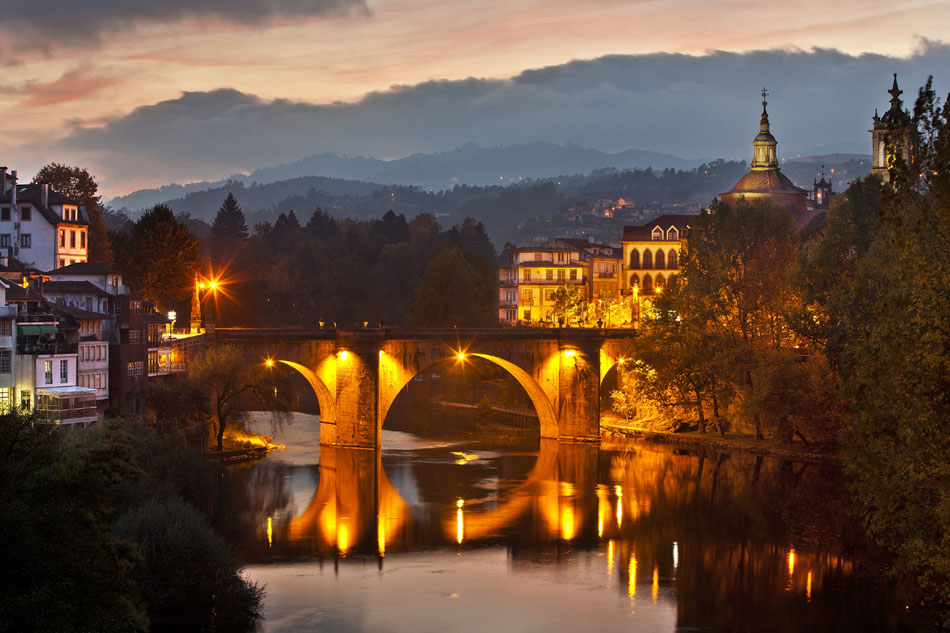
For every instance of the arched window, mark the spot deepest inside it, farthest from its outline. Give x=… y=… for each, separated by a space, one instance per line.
x=672 y=234
x=634 y=259
x=673 y=261
x=660 y=260
x=634 y=280
x=657 y=234
x=647 y=283
x=660 y=281
x=647 y=260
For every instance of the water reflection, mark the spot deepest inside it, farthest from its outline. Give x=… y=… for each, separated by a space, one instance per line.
x=717 y=541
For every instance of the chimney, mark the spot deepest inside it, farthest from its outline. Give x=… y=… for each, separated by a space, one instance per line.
x=3 y=180
x=13 y=190
x=44 y=194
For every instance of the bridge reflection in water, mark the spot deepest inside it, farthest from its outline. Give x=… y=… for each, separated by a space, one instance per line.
x=725 y=538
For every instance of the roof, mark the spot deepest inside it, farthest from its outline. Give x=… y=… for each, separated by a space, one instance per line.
x=85 y=268
x=33 y=194
x=767 y=181
x=19 y=293
x=79 y=313
x=76 y=287
x=644 y=232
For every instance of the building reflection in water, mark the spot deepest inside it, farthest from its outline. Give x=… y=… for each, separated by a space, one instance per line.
x=714 y=530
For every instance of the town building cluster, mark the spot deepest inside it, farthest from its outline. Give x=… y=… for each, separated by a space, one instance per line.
x=75 y=341
x=620 y=280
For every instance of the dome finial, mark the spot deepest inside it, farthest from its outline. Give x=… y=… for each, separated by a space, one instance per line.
x=764 y=124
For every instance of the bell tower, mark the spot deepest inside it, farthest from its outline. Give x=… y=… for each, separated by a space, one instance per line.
x=892 y=135
x=764 y=156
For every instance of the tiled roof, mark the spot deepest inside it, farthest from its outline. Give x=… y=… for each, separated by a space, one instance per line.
x=85 y=268
x=77 y=287
x=33 y=195
x=644 y=232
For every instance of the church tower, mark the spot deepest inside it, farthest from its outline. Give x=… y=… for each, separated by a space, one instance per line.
x=893 y=135
x=765 y=180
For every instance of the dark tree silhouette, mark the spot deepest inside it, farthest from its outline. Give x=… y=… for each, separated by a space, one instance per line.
x=230 y=221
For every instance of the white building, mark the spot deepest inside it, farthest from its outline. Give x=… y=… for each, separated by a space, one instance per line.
x=39 y=226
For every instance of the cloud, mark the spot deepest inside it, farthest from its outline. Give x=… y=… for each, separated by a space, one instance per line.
x=691 y=106
x=47 y=23
x=74 y=85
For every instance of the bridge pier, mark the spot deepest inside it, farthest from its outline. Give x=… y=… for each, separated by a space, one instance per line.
x=357 y=390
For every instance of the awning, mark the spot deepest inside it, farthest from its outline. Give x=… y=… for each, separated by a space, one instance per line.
x=35 y=330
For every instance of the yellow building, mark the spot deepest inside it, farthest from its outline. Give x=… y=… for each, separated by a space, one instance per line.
x=652 y=252
x=604 y=264
x=527 y=284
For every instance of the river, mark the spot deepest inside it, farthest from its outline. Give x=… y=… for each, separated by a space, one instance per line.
x=431 y=535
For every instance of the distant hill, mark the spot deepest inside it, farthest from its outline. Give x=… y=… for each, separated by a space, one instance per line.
x=469 y=164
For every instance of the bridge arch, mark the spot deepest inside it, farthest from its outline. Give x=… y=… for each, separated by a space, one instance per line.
x=542 y=403
x=324 y=397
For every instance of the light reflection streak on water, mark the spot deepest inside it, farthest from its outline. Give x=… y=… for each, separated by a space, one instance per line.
x=808 y=587
x=619 y=492
x=610 y=558
x=270 y=532
x=632 y=588
x=602 y=504
x=655 y=591
x=791 y=568
x=459 y=522
x=676 y=556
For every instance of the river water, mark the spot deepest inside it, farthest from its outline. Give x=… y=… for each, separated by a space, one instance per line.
x=451 y=536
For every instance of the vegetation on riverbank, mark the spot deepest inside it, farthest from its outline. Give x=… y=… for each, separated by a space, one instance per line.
x=840 y=333
x=117 y=528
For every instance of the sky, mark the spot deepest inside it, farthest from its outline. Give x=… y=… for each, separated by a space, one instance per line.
x=145 y=93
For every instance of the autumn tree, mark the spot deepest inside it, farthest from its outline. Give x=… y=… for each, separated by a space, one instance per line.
x=77 y=184
x=229 y=379
x=230 y=220
x=569 y=303
x=160 y=258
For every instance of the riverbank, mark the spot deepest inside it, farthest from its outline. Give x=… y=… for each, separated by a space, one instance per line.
x=614 y=430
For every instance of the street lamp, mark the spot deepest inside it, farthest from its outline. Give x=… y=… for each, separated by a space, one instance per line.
x=636 y=300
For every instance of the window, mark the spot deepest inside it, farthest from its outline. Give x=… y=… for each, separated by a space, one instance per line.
x=5 y=214
x=26 y=214
x=6 y=328
x=549 y=274
x=673 y=260
x=135 y=368
x=527 y=315
x=560 y=275
x=26 y=398
x=48 y=371
x=6 y=361
x=5 y=239
x=537 y=257
x=135 y=337
x=153 y=362
x=136 y=307
x=6 y=396
x=62 y=262
x=26 y=240
x=647 y=260
x=62 y=238
x=573 y=274
x=660 y=260
x=63 y=371
x=634 y=259
x=657 y=233
x=560 y=258
x=527 y=275
x=672 y=234
x=72 y=239
x=82 y=239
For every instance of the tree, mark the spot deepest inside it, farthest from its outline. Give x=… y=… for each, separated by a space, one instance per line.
x=569 y=304
x=230 y=221
x=458 y=289
x=227 y=377
x=322 y=226
x=895 y=363
x=161 y=258
x=77 y=184
x=64 y=570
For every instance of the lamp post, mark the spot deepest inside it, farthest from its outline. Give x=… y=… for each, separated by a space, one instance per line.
x=210 y=288
x=636 y=300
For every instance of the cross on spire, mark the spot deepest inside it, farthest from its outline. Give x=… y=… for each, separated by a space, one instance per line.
x=765 y=93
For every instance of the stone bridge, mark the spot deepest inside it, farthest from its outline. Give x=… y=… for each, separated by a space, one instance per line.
x=357 y=374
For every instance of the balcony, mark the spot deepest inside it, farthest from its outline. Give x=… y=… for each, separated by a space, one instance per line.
x=66 y=405
x=552 y=282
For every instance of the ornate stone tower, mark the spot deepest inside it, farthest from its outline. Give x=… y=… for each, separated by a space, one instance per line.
x=893 y=135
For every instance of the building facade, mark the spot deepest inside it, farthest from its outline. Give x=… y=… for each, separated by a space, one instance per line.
x=892 y=135
x=652 y=252
x=527 y=284
x=39 y=226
